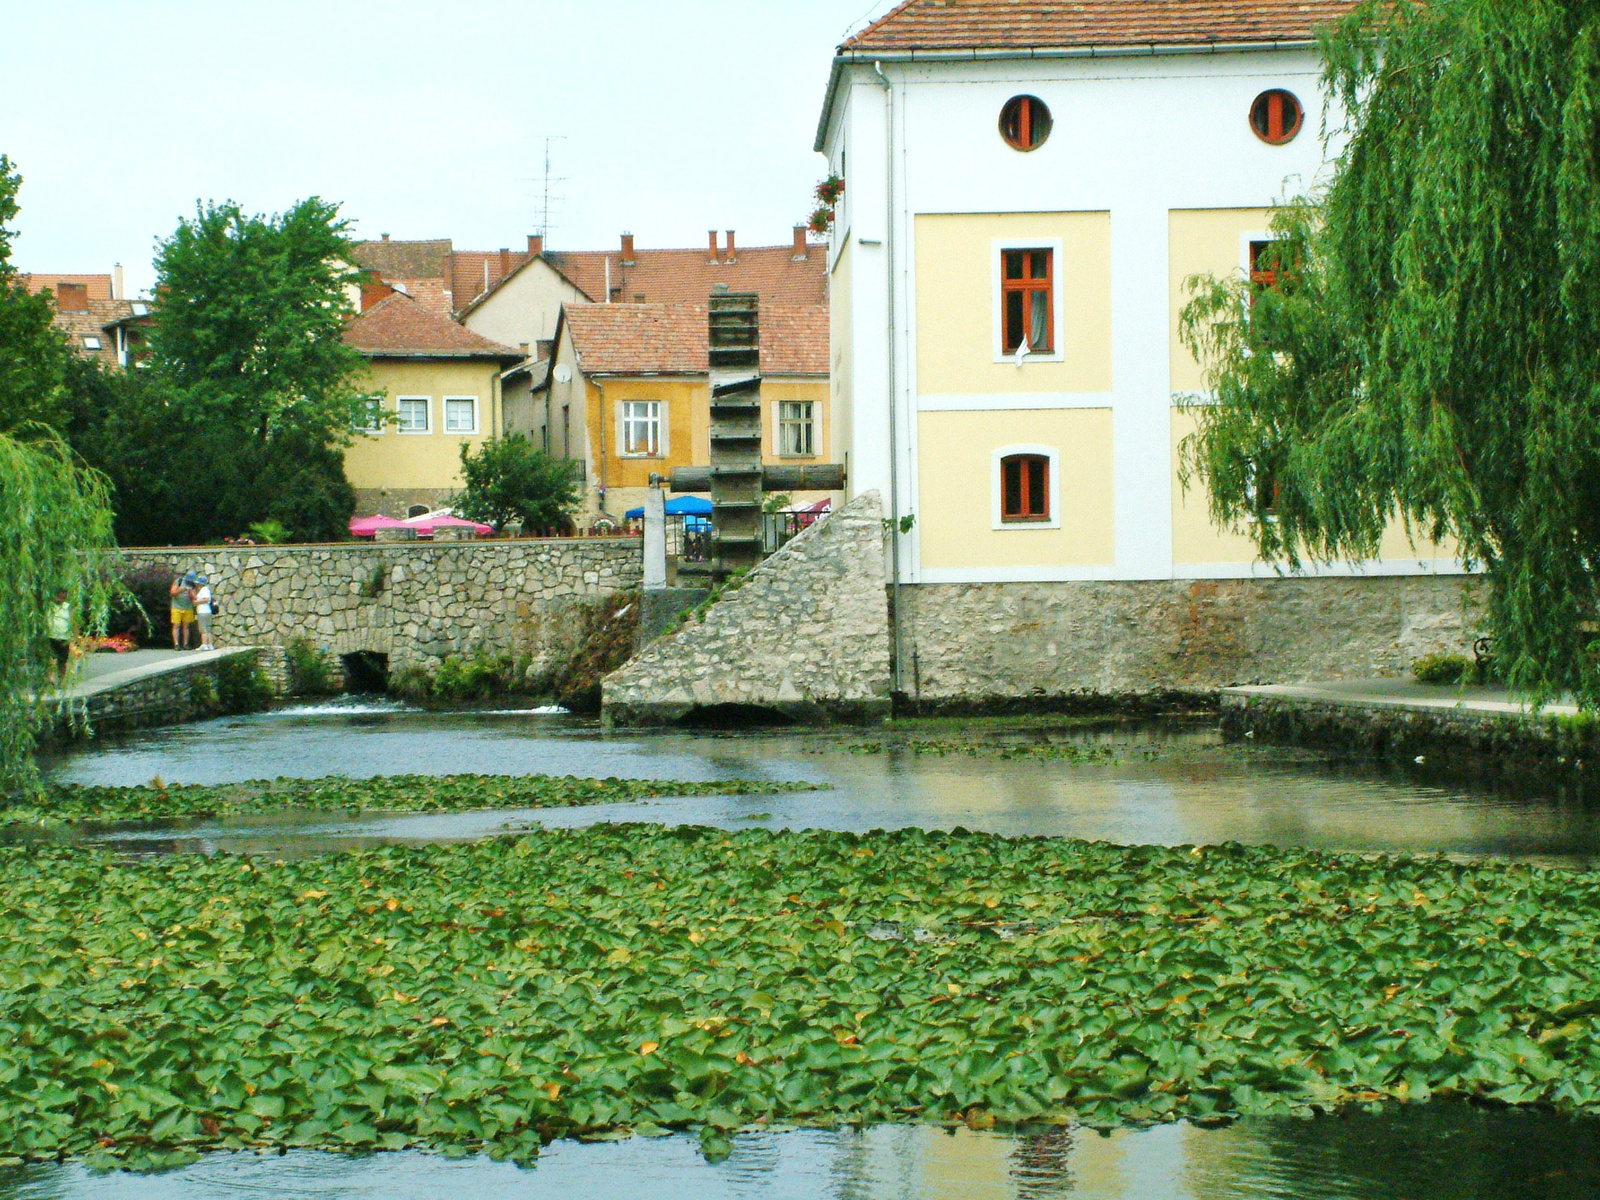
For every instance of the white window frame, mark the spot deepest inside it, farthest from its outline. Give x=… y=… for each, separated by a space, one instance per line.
x=778 y=424
x=658 y=418
x=427 y=409
x=473 y=400
x=375 y=422
x=997 y=299
x=92 y=342
x=997 y=489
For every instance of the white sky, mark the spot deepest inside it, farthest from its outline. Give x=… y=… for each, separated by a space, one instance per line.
x=423 y=118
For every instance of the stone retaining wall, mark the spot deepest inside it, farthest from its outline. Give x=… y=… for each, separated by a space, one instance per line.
x=180 y=691
x=993 y=644
x=415 y=603
x=805 y=635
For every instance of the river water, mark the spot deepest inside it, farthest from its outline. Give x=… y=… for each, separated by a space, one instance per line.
x=1169 y=784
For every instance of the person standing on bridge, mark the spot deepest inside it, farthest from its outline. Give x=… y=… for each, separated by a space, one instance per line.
x=58 y=627
x=182 y=610
x=204 y=606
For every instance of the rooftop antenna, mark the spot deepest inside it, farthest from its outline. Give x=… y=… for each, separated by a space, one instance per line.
x=546 y=180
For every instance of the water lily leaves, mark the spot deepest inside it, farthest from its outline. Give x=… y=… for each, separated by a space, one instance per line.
x=72 y=804
x=497 y=994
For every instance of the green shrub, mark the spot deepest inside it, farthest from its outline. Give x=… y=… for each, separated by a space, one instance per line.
x=610 y=627
x=270 y=532
x=1444 y=669
x=203 y=693
x=477 y=677
x=311 y=670
x=411 y=682
x=242 y=687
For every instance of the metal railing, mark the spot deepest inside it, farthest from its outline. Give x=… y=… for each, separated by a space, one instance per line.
x=689 y=538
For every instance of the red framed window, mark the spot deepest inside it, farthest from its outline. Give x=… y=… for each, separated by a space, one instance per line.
x=1025 y=122
x=1027 y=280
x=1276 y=116
x=1025 y=488
x=1268 y=268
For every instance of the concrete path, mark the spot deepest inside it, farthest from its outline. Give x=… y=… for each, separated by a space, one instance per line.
x=98 y=673
x=1404 y=694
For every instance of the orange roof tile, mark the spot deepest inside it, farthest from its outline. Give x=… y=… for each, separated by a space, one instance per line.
x=400 y=327
x=1043 y=24
x=670 y=339
x=687 y=276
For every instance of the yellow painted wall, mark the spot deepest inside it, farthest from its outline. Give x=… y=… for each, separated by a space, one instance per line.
x=1195 y=540
x=396 y=460
x=1201 y=241
x=681 y=439
x=956 y=303
x=775 y=390
x=954 y=471
x=841 y=406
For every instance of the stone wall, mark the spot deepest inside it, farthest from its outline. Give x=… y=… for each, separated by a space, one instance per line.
x=174 y=692
x=415 y=603
x=993 y=642
x=807 y=635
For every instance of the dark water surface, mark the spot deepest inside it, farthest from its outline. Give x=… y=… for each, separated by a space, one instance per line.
x=1434 y=1152
x=1164 y=784
x=1159 y=784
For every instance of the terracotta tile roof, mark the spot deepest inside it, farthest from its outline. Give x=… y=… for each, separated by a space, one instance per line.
x=475 y=273
x=97 y=323
x=400 y=327
x=98 y=286
x=1040 y=24
x=687 y=276
x=405 y=260
x=670 y=339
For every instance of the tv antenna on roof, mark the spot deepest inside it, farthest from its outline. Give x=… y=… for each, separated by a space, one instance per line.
x=546 y=199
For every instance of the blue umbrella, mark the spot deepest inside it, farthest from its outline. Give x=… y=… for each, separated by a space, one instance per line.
x=680 y=506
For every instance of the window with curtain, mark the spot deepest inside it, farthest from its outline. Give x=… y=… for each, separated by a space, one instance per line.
x=1027 y=292
x=1025 y=488
x=461 y=414
x=641 y=427
x=414 y=414
x=796 y=430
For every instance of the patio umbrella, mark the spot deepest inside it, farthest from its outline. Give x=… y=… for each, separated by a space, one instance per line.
x=426 y=525
x=679 y=506
x=369 y=526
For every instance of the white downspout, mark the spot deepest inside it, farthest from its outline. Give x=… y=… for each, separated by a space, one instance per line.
x=894 y=397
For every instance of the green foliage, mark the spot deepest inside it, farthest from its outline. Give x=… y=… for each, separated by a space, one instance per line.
x=269 y=533
x=608 y=629
x=203 y=693
x=52 y=511
x=1431 y=350
x=473 y=677
x=413 y=681
x=242 y=686
x=310 y=666
x=142 y=606
x=775 y=502
x=34 y=357
x=372 y=587
x=73 y=804
x=1444 y=669
x=507 y=479
x=500 y=993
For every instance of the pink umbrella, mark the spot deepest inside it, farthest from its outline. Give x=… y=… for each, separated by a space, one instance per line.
x=368 y=526
x=426 y=525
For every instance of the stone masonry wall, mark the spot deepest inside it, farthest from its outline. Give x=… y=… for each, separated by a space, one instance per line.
x=982 y=643
x=416 y=603
x=807 y=634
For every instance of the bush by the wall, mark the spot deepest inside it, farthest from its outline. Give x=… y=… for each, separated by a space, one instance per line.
x=474 y=677
x=143 y=607
x=411 y=682
x=609 y=627
x=242 y=686
x=311 y=671
x=1444 y=669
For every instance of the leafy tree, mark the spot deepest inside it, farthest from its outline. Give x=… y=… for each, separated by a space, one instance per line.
x=248 y=335
x=1432 y=350
x=51 y=510
x=507 y=479
x=33 y=355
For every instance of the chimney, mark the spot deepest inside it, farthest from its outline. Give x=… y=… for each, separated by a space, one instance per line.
x=535 y=244
x=627 y=249
x=505 y=261
x=72 y=297
x=117 y=292
x=386 y=237
x=713 y=236
x=800 y=248
x=732 y=255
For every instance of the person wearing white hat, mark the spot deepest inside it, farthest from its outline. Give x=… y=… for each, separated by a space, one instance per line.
x=204 y=607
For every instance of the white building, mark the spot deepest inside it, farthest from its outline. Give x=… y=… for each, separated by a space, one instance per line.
x=1027 y=187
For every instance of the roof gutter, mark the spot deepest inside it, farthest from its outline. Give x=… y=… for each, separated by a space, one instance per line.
x=848 y=58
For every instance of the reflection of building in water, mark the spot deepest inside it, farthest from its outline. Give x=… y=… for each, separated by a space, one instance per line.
x=1041 y=1164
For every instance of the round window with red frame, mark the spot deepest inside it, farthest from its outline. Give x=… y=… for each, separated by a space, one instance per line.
x=1025 y=122
x=1276 y=117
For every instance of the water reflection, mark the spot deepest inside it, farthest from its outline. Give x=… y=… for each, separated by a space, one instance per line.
x=1167 y=784
x=1438 y=1152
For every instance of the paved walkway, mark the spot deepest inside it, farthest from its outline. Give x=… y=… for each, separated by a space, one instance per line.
x=1404 y=694
x=98 y=673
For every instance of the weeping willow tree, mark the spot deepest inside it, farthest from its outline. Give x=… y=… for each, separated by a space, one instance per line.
x=1431 y=350
x=53 y=514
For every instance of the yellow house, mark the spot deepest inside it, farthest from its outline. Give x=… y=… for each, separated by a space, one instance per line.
x=628 y=391
x=435 y=386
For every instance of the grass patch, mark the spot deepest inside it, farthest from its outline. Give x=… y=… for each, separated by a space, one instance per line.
x=494 y=995
x=73 y=804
